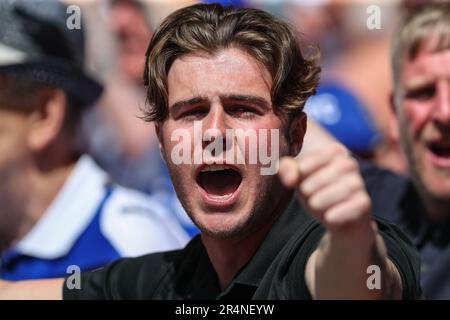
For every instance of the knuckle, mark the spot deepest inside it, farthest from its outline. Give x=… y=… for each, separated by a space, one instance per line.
x=331 y=152
x=351 y=164
x=344 y=163
x=315 y=203
x=337 y=148
x=305 y=188
x=357 y=183
x=302 y=166
x=349 y=181
x=364 y=201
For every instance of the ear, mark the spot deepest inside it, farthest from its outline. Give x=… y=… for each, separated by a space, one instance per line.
x=47 y=120
x=297 y=132
x=158 y=131
x=394 y=131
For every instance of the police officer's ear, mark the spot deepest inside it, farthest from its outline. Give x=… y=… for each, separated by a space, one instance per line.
x=297 y=130
x=47 y=118
x=394 y=129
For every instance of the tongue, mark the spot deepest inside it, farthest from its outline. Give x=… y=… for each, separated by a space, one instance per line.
x=220 y=183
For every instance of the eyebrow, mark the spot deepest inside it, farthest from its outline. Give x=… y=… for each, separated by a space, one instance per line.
x=183 y=103
x=174 y=108
x=247 y=99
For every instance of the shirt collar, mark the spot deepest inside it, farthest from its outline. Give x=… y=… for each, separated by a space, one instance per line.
x=10 y=55
x=203 y=278
x=250 y=276
x=69 y=214
x=198 y=279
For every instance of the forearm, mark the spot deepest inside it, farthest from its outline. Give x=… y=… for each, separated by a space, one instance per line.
x=31 y=290
x=339 y=268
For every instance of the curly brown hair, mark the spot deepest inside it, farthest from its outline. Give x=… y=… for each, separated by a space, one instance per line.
x=211 y=28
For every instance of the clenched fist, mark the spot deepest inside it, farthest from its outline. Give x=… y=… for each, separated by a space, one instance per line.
x=332 y=190
x=330 y=186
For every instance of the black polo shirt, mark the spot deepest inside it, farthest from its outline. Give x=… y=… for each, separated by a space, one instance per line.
x=395 y=198
x=276 y=271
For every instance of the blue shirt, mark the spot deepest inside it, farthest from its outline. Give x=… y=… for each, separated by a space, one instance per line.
x=90 y=223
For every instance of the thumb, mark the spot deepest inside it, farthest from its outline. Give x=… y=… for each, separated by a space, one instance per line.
x=289 y=172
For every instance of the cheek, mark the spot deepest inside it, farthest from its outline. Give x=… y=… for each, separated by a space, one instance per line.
x=270 y=136
x=13 y=157
x=176 y=139
x=13 y=147
x=165 y=144
x=417 y=116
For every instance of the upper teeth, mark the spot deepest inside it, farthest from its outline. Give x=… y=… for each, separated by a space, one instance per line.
x=218 y=167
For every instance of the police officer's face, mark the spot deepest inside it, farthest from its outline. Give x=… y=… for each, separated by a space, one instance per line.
x=425 y=121
x=13 y=159
x=224 y=92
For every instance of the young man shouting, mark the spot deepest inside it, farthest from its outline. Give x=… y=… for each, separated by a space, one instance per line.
x=222 y=69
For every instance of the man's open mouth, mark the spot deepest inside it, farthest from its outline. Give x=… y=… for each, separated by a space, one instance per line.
x=440 y=152
x=219 y=181
x=440 y=149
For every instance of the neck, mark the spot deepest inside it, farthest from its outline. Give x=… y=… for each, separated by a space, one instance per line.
x=43 y=187
x=225 y=257
x=437 y=210
x=228 y=256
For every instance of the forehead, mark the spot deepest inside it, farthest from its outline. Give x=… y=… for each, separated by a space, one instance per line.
x=230 y=71
x=428 y=66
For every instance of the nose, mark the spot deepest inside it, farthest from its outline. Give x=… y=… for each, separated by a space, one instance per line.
x=215 y=125
x=442 y=108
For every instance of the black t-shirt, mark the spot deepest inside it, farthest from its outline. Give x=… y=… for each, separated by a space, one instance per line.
x=395 y=198
x=276 y=271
